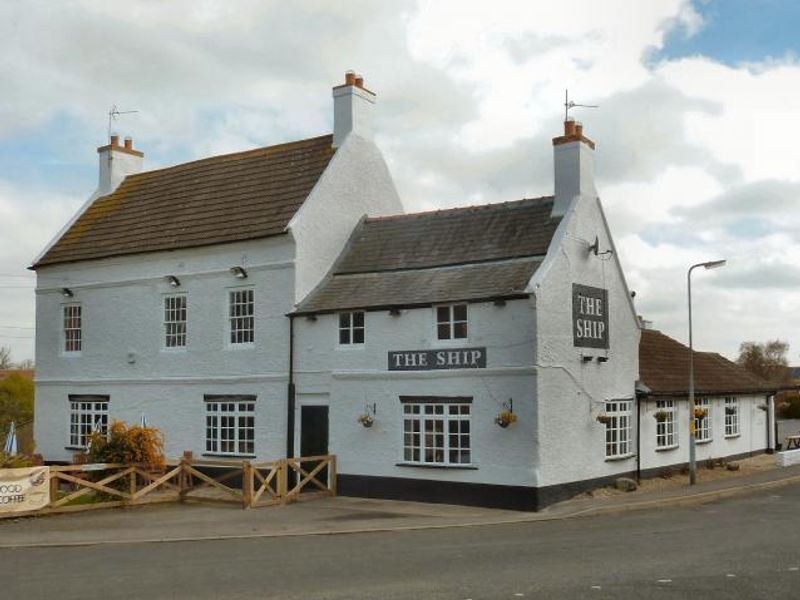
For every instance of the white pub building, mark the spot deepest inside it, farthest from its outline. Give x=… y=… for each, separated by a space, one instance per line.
x=278 y=302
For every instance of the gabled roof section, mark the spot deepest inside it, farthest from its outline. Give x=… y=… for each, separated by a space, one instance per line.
x=664 y=369
x=462 y=254
x=222 y=199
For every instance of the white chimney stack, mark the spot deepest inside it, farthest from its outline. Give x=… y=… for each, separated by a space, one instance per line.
x=573 y=159
x=353 y=107
x=116 y=163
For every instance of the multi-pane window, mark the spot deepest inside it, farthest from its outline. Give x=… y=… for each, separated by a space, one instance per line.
x=451 y=322
x=618 y=428
x=241 y=311
x=666 y=435
x=73 y=333
x=86 y=414
x=702 y=424
x=230 y=424
x=731 y=416
x=175 y=321
x=437 y=433
x=351 y=327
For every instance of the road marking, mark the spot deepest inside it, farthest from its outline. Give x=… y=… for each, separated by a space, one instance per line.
x=596 y=587
x=519 y=595
x=730 y=575
x=663 y=580
x=794 y=568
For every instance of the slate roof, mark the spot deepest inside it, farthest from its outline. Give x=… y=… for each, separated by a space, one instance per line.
x=463 y=254
x=229 y=198
x=664 y=369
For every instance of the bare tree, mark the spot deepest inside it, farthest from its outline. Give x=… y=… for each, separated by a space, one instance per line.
x=5 y=358
x=767 y=360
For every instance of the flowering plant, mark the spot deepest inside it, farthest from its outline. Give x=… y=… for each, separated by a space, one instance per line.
x=505 y=418
x=661 y=416
x=366 y=419
x=700 y=413
x=604 y=419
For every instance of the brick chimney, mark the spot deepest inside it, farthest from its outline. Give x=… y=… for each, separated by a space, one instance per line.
x=117 y=162
x=353 y=107
x=573 y=159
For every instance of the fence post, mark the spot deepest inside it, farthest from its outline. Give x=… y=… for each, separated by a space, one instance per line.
x=53 y=487
x=132 y=485
x=247 y=484
x=332 y=475
x=282 y=468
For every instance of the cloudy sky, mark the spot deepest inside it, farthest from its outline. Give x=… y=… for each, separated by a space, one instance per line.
x=697 y=127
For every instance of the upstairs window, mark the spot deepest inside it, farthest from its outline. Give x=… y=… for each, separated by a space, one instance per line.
x=351 y=328
x=451 y=322
x=73 y=332
x=702 y=424
x=731 y=416
x=241 y=316
x=175 y=321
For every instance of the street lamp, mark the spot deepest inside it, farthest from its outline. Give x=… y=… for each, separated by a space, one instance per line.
x=692 y=462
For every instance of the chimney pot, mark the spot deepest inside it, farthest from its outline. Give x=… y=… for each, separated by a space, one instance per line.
x=579 y=129
x=350 y=78
x=115 y=140
x=359 y=81
x=128 y=143
x=569 y=127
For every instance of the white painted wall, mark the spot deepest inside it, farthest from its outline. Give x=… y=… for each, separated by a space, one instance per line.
x=752 y=438
x=357 y=182
x=571 y=443
x=354 y=376
x=123 y=355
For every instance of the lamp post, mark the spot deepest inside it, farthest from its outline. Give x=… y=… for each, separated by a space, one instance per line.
x=692 y=461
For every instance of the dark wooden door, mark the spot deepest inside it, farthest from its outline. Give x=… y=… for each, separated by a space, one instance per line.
x=314 y=439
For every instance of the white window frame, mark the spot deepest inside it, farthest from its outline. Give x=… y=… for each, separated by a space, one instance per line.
x=702 y=427
x=175 y=330
x=733 y=426
x=437 y=432
x=619 y=428
x=238 y=334
x=349 y=330
x=86 y=412
x=230 y=425
x=666 y=431
x=68 y=325
x=451 y=323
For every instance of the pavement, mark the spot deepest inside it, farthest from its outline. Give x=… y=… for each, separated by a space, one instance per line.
x=341 y=515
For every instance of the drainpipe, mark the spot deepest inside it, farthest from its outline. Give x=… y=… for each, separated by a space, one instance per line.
x=772 y=425
x=638 y=438
x=290 y=394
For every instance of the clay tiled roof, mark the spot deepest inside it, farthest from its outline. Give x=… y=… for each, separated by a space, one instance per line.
x=475 y=253
x=235 y=197
x=664 y=369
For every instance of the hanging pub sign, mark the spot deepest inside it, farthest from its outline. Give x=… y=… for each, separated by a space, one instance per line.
x=589 y=316
x=429 y=360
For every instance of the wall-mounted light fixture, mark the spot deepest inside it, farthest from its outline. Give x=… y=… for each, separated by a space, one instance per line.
x=239 y=272
x=173 y=281
x=500 y=302
x=586 y=357
x=395 y=312
x=311 y=318
x=602 y=359
x=67 y=293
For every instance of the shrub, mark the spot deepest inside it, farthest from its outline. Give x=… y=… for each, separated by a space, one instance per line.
x=15 y=461
x=130 y=445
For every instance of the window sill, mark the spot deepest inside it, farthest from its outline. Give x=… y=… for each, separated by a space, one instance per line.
x=242 y=346
x=436 y=466
x=71 y=354
x=708 y=441
x=350 y=347
x=620 y=457
x=452 y=342
x=222 y=455
x=668 y=448
x=733 y=436
x=75 y=448
x=178 y=350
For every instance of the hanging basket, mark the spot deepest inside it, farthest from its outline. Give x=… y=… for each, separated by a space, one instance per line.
x=604 y=419
x=700 y=413
x=730 y=410
x=505 y=418
x=366 y=420
x=661 y=416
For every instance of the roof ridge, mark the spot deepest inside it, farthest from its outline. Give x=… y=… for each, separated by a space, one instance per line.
x=457 y=209
x=265 y=150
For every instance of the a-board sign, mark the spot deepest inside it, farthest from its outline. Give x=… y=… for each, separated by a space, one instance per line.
x=589 y=316
x=24 y=489
x=429 y=360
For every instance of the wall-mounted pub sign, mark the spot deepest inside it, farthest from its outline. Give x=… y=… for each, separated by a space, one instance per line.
x=589 y=316
x=429 y=360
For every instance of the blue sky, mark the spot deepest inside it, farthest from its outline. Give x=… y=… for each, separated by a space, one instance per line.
x=696 y=127
x=738 y=31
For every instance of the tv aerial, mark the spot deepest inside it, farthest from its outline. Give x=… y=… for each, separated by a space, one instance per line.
x=114 y=113
x=568 y=104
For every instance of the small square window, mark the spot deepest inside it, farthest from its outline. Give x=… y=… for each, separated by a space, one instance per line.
x=351 y=328
x=451 y=322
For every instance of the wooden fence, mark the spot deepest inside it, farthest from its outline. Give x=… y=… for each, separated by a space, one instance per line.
x=248 y=484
